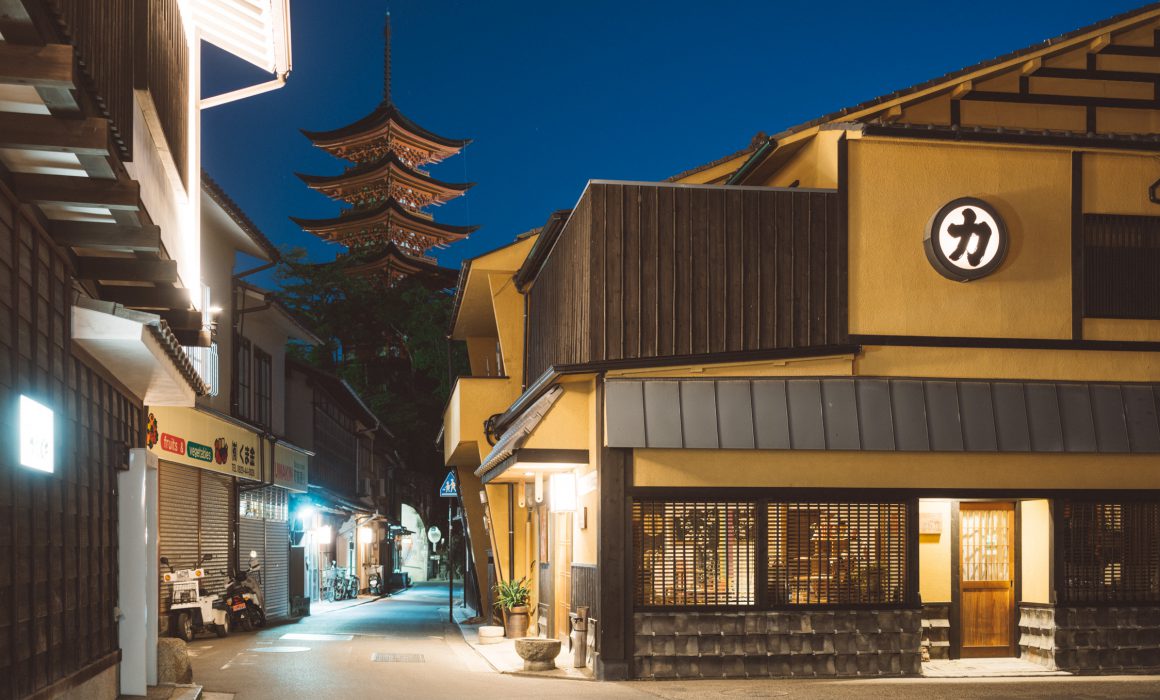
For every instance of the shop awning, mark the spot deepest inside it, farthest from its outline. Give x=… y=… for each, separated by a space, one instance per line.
x=139 y=350
x=903 y=415
x=515 y=436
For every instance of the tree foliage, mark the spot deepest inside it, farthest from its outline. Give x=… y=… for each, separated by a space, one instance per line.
x=388 y=341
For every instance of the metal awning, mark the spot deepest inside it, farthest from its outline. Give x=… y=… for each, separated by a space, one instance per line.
x=514 y=436
x=257 y=31
x=875 y=414
x=139 y=350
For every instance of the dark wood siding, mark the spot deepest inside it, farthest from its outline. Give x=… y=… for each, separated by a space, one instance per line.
x=1121 y=258
x=58 y=532
x=103 y=35
x=165 y=73
x=644 y=270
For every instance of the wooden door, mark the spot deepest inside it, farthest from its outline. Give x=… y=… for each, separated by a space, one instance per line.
x=562 y=560
x=987 y=578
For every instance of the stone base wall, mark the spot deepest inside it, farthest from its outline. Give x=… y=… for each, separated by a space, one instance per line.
x=754 y=644
x=1091 y=639
x=936 y=631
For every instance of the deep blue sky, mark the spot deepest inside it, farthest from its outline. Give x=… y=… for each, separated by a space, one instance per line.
x=557 y=93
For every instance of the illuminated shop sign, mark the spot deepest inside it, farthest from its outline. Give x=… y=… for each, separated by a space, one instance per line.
x=198 y=439
x=966 y=239
x=291 y=468
x=36 y=435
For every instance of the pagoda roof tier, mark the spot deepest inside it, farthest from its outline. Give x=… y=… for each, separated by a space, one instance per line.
x=393 y=264
x=387 y=177
x=388 y=222
x=385 y=130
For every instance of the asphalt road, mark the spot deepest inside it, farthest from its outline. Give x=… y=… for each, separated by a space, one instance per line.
x=332 y=656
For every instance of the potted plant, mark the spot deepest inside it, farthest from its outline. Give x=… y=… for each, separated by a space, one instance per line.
x=512 y=597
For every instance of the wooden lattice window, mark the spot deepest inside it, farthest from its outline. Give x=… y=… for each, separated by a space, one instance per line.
x=1110 y=552
x=695 y=553
x=836 y=553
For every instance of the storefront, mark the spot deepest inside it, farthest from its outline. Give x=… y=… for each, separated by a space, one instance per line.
x=264 y=526
x=202 y=455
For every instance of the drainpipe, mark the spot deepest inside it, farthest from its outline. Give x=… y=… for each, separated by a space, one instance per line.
x=511 y=532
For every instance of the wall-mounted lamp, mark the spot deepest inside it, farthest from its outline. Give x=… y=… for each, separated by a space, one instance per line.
x=563 y=492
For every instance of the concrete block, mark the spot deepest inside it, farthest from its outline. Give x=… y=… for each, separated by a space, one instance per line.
x=490 y=634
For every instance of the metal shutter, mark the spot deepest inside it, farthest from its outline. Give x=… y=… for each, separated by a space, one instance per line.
x=178 y=488
x=216 y=492
x=276 y=569
x=252 y=536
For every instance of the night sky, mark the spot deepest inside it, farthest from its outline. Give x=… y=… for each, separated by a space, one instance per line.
x=554 y=94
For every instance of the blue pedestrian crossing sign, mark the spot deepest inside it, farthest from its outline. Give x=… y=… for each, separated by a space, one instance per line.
x=450 y=487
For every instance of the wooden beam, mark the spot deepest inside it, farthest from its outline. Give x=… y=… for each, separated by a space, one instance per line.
x=1119 y=50
x=126 y=270
x=183 y=319
x=1063 y=100
x=48 y=66
x=16 y=24
x=77 y=191
x=193 y=338
x=1031 y=66
x=1085 y=74
x=85 y=234
x=147 y=297
x=37 y=132
x=962 y=89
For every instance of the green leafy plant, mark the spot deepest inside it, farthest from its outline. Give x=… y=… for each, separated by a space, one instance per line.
x=511 y=594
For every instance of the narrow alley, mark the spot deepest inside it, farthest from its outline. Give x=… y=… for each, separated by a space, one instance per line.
x=403 y=647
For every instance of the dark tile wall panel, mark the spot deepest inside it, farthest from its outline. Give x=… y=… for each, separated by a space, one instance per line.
x=863 y=413
x=58 y=531
x=658 y=270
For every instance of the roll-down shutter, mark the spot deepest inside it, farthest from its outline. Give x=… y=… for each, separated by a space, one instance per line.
x=252 y=538
x=276 y=569
x=178 y=521
x=194 y=520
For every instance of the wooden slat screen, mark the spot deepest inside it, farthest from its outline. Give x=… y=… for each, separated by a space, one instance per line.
x=695 y=553
x=166 y=74
x=58 y=532
x=1121 y=256
x=643 y=270
x=585 y=588
x=1110 y=552
x=102 y=31
x=836 y=553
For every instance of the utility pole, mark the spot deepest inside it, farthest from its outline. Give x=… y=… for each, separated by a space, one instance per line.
x=450 y=570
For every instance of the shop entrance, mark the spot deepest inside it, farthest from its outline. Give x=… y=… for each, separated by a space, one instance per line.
x=987 y=579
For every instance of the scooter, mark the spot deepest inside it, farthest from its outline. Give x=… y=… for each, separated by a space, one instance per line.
x=191 y=612
x=243 y=599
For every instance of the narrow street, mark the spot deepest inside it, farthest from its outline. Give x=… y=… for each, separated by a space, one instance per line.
x=333 y=656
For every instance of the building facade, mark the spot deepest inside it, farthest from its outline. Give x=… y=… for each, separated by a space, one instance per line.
x=103 y=295
x=879 y=387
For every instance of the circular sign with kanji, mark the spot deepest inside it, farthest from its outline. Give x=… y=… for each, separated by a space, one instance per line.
x=966 y=239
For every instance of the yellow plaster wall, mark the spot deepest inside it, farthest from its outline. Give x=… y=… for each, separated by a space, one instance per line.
x=1120 y=329
x=526 y=548
x=1117 y=183
x=989 y=363
x=1035 y=549
x=566 y=425
x=833 y=366
x=481 y=356
x=716 y=173
x=895 y=188
x=584 y=538
x=814 y=166
x=508 y=305
x=934 y=554
x=947 y=470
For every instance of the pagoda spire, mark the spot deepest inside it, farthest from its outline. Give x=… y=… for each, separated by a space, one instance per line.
x=387 y=59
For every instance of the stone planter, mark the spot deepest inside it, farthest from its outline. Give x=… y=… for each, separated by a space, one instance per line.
x=538 y=654
x=490 y=634
x=515 y=622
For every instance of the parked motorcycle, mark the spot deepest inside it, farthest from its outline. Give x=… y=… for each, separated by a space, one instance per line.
x=190 y=612
x=375 y=583
x=243 y=599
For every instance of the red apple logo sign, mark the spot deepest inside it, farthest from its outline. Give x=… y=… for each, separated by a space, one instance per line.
x=221 y=450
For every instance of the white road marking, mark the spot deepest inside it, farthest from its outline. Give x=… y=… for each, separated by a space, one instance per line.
x=308 y=637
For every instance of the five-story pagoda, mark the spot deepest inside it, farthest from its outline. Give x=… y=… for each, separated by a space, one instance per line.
x=386 y=229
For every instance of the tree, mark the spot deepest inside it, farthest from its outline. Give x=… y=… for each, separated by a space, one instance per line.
x=389 y=341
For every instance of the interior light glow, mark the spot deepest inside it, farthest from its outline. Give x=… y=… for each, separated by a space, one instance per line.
x=562 y=490
x=365 y=535
x=323 y=534
x=36 y=435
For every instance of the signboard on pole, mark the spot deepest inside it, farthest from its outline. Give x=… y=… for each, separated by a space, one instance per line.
x=450 y=487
